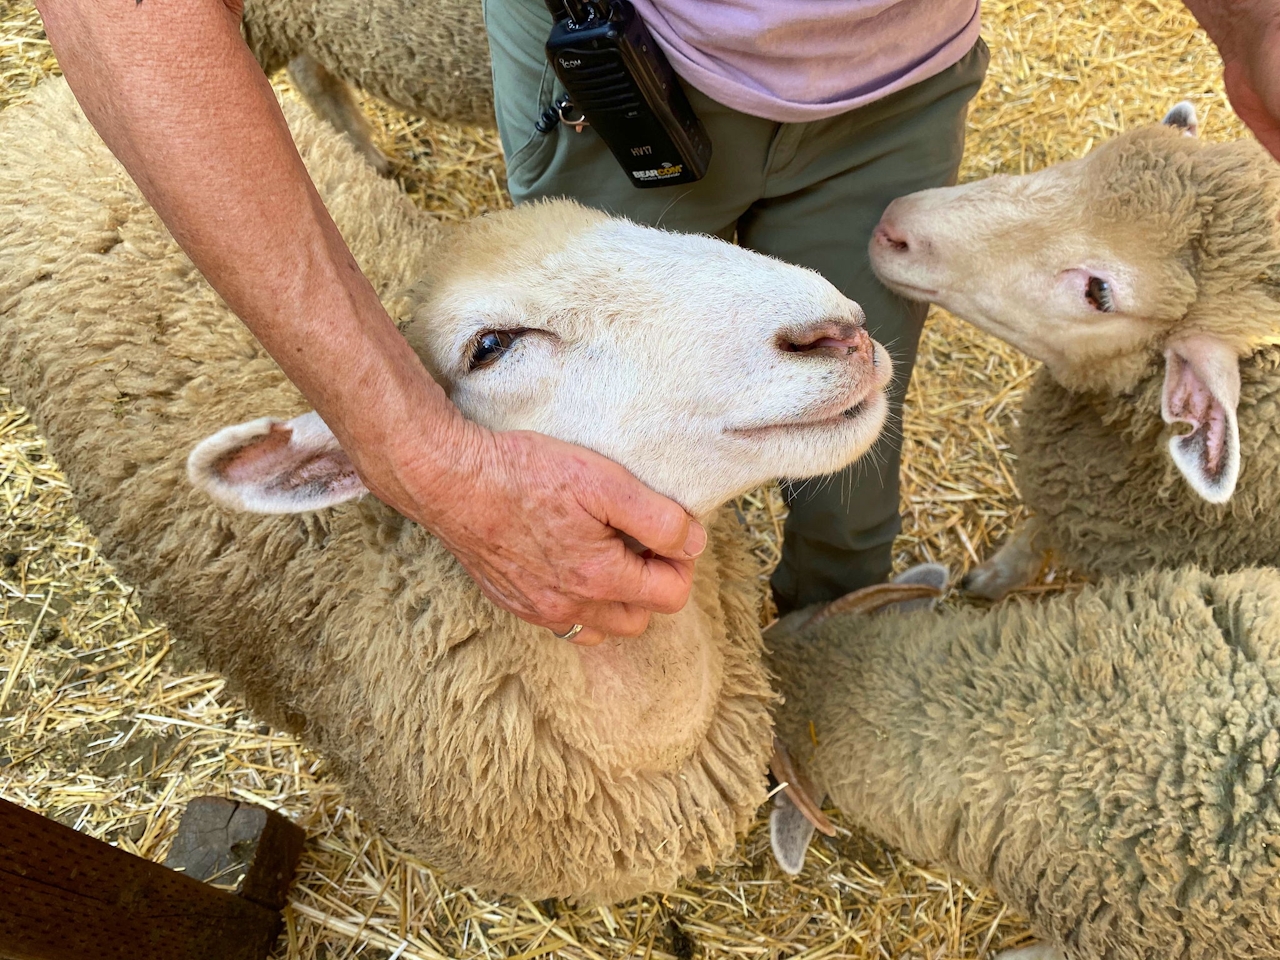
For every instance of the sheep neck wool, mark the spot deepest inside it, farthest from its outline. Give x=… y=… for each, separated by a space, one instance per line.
x=792 y=61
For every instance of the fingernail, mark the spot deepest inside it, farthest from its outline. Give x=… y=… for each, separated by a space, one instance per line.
x=695 y=541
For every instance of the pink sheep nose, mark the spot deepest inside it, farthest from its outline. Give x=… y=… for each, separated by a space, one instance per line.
x=829 y=339
x=889 y=234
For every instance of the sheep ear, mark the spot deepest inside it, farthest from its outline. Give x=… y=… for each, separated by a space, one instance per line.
x=1183 y=116
x=275 y=466
x=798 y=789
x=1202 y=389
x=789 y=834
x=935 y=575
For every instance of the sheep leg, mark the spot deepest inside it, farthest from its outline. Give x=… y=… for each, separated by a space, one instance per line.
x=1015 y=564
x=1036 y=951
x=331 y=99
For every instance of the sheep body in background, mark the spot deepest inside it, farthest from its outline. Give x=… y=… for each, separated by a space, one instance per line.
x=1146 y=276
x=509 y=759
x=428 y=59
x=1107 y=762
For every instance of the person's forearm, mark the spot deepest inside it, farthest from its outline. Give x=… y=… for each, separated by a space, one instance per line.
x=1247 y=34
x=176 y=94
x=1228 y=22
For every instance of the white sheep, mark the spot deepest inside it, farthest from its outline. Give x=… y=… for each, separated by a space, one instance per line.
x=1108 y=762
x=511 y=760
x=430 y=59
x=1146 y=277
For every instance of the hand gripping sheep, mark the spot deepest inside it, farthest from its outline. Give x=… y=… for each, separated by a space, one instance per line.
x=1146 y=276
x=429 y=58
x=511 y=760
x=1108 y=762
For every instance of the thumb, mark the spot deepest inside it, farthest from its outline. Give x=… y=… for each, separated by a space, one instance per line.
x=661 y=524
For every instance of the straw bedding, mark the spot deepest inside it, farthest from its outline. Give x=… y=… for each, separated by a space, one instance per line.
x=106 y=727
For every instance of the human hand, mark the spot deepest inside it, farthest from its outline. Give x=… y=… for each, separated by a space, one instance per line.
x=1247 y=33
x=1253 y=87
x=539 y=524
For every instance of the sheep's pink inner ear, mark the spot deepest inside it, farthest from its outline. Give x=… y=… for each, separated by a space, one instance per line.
x=274 y=466
x=1202 y=389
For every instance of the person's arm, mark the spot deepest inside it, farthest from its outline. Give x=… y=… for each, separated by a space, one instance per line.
x=177 y=96
x=1247 y=33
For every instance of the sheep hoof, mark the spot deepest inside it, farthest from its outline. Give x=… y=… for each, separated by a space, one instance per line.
x=1036 y=951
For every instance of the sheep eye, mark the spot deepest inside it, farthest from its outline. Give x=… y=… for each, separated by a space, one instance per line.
x=491 y=346
x=1098 y=292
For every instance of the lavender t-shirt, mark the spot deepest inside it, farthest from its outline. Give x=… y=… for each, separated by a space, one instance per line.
x=797 y=60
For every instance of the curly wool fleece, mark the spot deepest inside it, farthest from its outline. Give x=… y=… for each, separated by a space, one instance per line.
x=430 y=59
x=1107 y=762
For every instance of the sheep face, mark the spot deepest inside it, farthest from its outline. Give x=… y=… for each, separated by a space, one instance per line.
x=1153 y=249
x=703 y=368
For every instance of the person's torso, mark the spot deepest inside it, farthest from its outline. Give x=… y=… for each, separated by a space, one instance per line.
x=799 y=60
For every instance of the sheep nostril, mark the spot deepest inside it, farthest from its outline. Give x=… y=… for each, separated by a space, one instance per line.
x=890 y=236
x=829 y=339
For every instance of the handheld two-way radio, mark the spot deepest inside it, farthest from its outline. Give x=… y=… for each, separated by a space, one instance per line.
x=621 y=84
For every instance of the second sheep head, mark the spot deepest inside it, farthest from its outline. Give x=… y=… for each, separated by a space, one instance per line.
x=1155 y=248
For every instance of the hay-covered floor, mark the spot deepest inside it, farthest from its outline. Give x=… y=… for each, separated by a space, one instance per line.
x=105 y=727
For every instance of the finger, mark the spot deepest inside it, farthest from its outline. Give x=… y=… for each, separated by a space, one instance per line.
x=607 y=620
x=589 y=637
x=660 y=524
x=658 y=584
x=661 y=584
x=618 y=619
x=582 y=636
x=654 y=583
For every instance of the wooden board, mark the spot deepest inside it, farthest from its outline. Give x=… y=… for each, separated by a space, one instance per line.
x=67 y=896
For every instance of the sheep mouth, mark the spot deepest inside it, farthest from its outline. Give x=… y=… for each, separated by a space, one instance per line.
x=909 y=291
x=851 y=413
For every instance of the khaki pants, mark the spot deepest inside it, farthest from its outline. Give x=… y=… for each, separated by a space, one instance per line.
x=808 y=193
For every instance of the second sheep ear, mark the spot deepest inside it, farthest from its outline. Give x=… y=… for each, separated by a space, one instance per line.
x=1202 y=389
x=275 y=466
x=789 y=834
x=1183 y=116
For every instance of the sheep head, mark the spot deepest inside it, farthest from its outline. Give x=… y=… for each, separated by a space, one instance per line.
x=703 y=368
x=1155 y=249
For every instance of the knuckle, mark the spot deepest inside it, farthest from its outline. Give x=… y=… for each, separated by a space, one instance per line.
x=630 y=622
x=669 y=601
